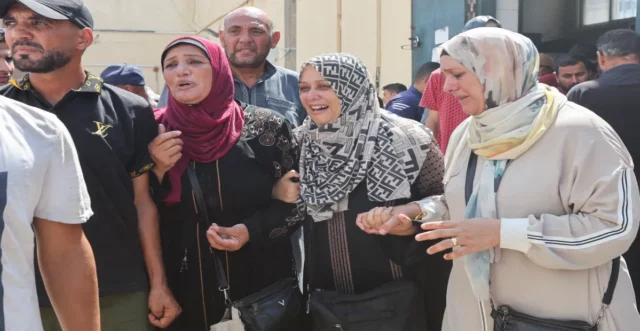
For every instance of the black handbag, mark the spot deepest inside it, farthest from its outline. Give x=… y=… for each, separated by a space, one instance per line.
x=397 y=305
x=277 y=307
x=393 y=306
x=507 y=319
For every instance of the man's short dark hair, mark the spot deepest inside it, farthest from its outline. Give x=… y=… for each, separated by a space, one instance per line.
x=395 y=87
x=619 y=43
x=571 y=60
x=426 y=69
x=589 y=52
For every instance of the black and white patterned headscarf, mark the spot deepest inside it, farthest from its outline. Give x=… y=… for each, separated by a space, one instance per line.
x=364 y=142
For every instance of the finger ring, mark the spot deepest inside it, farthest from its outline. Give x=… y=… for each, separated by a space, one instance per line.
x=454 y=241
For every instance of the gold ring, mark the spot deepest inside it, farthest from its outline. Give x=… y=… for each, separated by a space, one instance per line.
x=454 y=241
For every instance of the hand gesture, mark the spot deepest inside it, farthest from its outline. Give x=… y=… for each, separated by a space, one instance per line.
x=165 y=150
x=286 y=189
x=468 y=236
x=228 y=239
x=386 y=220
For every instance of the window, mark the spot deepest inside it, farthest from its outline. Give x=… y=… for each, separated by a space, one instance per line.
x=595 y=11
x=624 y=9
x=603 y=11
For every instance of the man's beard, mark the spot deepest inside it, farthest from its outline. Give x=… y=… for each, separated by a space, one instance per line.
x=255 y=63
x=567 y=88
x=51 y=60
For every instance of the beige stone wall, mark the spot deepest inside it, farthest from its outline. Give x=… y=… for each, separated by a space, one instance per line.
x=144 y=27
x=317 y=33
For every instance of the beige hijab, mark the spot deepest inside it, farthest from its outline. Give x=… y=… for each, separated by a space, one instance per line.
x=519 y=110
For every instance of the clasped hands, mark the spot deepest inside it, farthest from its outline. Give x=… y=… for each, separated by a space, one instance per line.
x=466 y=237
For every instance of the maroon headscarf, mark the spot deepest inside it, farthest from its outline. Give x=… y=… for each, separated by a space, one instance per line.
x=210 y=128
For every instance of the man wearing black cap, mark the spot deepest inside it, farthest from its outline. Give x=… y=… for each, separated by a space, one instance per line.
x=127 y=77
x=111 y=130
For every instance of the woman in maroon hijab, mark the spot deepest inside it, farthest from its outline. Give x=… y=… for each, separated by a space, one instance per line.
x=243 y=158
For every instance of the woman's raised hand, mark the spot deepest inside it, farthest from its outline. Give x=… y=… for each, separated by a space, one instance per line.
x=165 y=150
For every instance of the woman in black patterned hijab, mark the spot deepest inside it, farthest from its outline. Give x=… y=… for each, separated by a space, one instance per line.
x=356 y=157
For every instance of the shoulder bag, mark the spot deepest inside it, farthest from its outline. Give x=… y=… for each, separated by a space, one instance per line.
x=276 y=307
x=507 y=319
x=397 y=305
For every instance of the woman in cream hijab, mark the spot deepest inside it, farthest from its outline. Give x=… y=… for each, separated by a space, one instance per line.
x=540 y=196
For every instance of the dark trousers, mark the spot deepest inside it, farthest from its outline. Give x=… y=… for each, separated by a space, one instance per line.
x=120 y=312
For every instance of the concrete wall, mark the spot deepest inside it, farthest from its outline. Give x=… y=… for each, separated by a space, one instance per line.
x=396 y=30
x=318 y=26
x=507 y=12
x=161 y=21
x=145 y=27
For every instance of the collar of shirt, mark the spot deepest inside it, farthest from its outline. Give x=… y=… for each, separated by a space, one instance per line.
x=622 y=75
x=415 y=92
x=269 y=70
x=92 y=84
x=411 y=90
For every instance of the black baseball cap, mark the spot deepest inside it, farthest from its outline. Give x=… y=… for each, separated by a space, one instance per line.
x=72 y=10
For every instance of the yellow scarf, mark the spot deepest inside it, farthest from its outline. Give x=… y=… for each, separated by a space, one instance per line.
x=508 y=131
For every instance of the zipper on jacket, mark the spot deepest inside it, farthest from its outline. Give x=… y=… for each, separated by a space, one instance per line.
x=483 y=317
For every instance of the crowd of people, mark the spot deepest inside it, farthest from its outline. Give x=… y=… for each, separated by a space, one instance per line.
x=258 y=198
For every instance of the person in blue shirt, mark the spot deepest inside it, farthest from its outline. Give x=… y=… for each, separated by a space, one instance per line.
x=407 y=104
x=247 y=36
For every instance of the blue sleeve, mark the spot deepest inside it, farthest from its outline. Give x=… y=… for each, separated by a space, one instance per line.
x=389 y=105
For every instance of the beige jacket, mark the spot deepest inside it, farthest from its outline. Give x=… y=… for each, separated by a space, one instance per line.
x=569 y=205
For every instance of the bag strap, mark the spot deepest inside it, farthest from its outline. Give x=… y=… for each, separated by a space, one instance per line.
x=613 y=281
x=615 y=266
x=310 y=260
x=471 y=175
x=201 y=210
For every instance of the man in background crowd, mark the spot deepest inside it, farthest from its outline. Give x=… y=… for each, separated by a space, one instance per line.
x=547 y=65
x=571 y=70
x=482 y=21
x=247 y=36
x=407 y=104
x=111 y=129
x=6 y=61
x=43 y=198
x=546 y=71
x=589 y=53
x=615 y=96
x=129 y=78
x=390 y=91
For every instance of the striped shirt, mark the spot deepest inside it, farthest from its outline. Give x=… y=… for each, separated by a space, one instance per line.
x=407 y=104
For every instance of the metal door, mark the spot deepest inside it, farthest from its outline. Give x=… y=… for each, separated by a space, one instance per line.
x=431 y=18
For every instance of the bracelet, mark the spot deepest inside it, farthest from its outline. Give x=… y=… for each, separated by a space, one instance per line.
x=420 y=216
